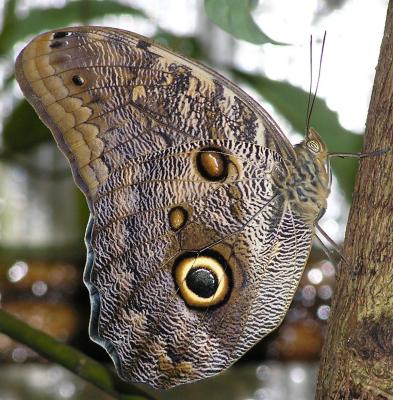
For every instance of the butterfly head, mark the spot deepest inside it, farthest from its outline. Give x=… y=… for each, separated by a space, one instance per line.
x=315 y=144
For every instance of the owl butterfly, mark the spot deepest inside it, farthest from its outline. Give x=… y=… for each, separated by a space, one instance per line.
x=202 y=212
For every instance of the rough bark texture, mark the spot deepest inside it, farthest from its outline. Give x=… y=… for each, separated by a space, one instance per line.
x=357 y=359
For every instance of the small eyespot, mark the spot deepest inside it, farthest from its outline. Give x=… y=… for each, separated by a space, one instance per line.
x=212 y=164
x=178 y=217
x=313 y=145
x=78 y=80
x=58 y=35
x=204 y=280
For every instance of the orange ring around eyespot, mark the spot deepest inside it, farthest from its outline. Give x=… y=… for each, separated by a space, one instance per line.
x=215 y=267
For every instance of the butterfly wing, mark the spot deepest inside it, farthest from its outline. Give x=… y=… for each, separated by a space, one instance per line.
x=106 y=91
x=194 y=253
x=155 y=330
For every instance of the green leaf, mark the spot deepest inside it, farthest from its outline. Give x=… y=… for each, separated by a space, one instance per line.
x=291 y=102
x=234 y=17
x=188 y=46
x=23 y=130
x=40 y=19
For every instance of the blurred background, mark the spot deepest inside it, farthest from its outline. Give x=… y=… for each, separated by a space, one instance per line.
x=43 y=215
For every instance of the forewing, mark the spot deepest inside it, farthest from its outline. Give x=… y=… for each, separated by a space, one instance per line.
x=110 y=95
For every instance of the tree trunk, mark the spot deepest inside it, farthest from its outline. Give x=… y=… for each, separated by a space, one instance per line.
x=357 y=358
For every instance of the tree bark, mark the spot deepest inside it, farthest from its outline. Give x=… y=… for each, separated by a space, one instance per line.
x=357 y=358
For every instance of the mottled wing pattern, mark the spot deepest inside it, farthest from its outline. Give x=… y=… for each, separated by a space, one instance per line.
x=176 y=164
x=152 y=334
x=109 y=95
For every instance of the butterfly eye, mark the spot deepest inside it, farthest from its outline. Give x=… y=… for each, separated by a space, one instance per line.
x=178 y=217
x=212 y=164
x=313 y=145
x=203 y=281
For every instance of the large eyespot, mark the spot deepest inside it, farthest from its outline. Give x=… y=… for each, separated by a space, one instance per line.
x=212 y=164
x=203 y=280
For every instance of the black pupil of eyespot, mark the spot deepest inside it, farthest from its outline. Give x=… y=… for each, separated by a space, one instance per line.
x=77 y=80
x=202 y=282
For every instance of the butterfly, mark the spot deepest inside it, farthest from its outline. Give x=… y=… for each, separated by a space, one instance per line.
x=202 y=212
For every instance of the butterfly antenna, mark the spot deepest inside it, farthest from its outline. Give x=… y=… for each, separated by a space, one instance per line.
x=310 y=89
x=316 y=87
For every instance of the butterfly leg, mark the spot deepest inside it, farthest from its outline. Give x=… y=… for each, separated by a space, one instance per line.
x=333 y=252
x=375 y=153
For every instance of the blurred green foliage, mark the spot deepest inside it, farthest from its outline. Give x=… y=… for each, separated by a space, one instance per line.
x=81 y=11
x=186 y=45
x=23 y=130
x=234 y=17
